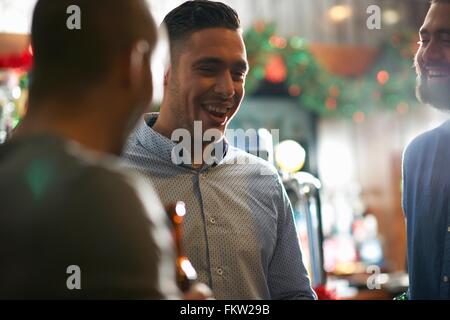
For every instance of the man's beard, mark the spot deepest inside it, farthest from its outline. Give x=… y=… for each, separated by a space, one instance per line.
x=436 y=95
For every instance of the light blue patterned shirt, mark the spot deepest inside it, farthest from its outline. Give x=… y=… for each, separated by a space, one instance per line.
x=239 y=231
x=426 y=189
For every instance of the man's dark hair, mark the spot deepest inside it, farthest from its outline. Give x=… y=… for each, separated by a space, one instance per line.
x=69 y=62
x=197 y=15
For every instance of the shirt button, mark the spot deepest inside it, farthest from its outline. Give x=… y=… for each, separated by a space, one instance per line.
x=212 y=220
x=445 y=279
x=219 y=271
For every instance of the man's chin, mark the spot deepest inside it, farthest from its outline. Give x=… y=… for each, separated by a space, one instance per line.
x=436 y=96
x=217 y=132
x=210 y=132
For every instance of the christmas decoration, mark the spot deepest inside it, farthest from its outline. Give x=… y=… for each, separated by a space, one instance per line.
x=13 y=97
x=323 y=293
x=22 y=61
x=13 y=90
x=275 y=69
x=389 y=84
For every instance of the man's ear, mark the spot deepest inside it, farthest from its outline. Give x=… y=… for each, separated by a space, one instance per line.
x=167 y=76
x=138 y=57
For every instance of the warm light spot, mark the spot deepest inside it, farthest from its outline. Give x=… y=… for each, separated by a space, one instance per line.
x=391 y=17
x=340 y=13
x=382 y=77
x=278 y=42
x=331 y=103
x=295 y=90
x=359 y=117
x=334 y=91
x=180 y=209
x=187 y=267
x=260 y=26
x=16 y=92
x=276 y=70
x=402 y=107
x=290 y=156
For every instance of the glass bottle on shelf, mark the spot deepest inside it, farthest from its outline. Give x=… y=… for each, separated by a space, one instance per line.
x=186 y=274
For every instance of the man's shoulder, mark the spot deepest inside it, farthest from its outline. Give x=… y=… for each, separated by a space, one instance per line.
x=140 y=148
x=86 y=174
x=107 y=173
x=65 y=162
x=53 y=176
x=251 y=162
x=428 y=139
x=82 y=173
x=88 y=166
x=132 y=143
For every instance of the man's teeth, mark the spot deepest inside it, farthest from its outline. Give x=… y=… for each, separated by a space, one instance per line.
x=437 y=73
x=217 y=109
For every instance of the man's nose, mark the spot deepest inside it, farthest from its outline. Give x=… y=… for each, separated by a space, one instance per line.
x=225 y=85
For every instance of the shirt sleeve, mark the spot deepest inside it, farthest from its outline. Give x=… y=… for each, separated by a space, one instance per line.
x=124 y=247
x=403 y=185
x=288 y=278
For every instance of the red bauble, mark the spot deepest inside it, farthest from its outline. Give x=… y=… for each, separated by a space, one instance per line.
x=23 y=61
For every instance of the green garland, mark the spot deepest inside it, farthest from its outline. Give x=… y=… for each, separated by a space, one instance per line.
x=331 y=95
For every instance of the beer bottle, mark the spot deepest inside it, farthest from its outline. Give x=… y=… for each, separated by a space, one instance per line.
x=186 y=274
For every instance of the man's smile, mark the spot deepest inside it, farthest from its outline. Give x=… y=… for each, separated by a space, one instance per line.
x=437 y=74
x=218 y=112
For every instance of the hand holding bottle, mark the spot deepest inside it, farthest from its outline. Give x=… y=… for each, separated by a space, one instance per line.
x=186 y=274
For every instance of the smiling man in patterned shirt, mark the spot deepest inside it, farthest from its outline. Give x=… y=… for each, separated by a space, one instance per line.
x=239 y=230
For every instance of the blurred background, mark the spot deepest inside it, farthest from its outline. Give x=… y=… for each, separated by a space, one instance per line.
x=335 y=78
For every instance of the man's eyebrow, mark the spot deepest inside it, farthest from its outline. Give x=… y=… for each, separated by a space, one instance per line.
x=439 y=31
x=208 y=61
x=242 y=64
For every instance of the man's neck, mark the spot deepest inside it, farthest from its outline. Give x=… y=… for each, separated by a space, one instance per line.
x=162 y=129
x=165 y=130
x=91 y=131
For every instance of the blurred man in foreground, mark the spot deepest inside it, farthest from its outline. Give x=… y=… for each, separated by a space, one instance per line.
x=71 y=226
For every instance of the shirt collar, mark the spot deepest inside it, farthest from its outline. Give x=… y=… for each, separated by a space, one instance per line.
x=163 y=146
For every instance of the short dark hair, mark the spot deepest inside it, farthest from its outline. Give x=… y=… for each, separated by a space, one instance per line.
x=71 y=61
x=197 y=15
